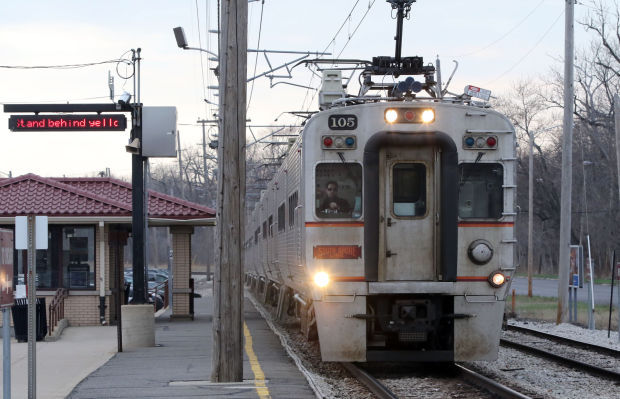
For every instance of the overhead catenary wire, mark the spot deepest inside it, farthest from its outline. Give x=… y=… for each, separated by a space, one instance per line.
x=370 y=4
x=202 y=69
x=504 y=35
x=520 y=60
x=66 y=66
x=260 y=26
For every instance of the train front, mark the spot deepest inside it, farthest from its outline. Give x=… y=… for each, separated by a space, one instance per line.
x=409 y=229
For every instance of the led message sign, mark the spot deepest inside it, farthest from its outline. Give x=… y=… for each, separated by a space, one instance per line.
x=73 y=122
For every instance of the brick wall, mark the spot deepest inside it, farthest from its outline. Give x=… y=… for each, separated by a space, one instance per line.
x=181 y=269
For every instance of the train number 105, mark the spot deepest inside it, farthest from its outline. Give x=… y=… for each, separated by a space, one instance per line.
x=342 y=122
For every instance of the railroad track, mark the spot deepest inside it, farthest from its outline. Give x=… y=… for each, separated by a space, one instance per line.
x=471 y=377
x=589 y=368
x=566 y=341
x=370 y=382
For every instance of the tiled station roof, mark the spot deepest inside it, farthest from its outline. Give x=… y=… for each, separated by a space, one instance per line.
x=87 y=196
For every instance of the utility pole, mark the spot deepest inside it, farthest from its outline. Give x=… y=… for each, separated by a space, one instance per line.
x=567 y=163
x=228 y=285
x=530 y=216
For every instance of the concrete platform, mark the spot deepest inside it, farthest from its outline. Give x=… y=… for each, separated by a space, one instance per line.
x=179 y=366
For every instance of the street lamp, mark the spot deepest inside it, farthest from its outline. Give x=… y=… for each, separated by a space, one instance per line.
x=179 y=35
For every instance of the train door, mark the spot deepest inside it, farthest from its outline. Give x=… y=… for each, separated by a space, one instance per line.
x=409 y=211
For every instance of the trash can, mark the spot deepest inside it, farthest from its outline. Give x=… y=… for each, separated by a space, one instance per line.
x=20 y=319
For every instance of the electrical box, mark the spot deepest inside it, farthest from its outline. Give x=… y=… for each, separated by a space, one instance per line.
x=159 y=132
x=331 y=88
x=6 y=268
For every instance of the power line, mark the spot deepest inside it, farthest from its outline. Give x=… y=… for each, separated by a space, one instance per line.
x=260 y=28
x=345 y=46
x=529 y=51
x=202 y=69
x=65 y=66
x=505 y=34
x=324 y=50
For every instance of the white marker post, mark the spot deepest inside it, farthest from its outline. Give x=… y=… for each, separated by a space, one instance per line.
x=6 y=301
x=31 y=234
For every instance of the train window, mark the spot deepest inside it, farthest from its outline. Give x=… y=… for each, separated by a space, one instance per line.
x=270 y=225
x=256 y=233
x=264 y=229
x=480 y=190
x=281 y=216
x=409 y=189
x=338 y=190
x=292 y=207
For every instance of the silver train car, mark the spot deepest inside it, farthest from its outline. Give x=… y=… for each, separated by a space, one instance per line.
x=389 y=227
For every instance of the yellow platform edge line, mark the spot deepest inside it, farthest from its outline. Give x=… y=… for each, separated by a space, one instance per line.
x=259 y=376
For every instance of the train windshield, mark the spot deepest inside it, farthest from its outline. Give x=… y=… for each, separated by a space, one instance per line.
x=480 y=190
x=338 y=190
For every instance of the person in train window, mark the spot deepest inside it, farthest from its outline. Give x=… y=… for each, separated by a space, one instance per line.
x=332 y=203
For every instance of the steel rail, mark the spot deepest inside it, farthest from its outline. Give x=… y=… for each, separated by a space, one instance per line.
x=488 y=384
x=562 y=340
x=369 y=381
x=561 y=359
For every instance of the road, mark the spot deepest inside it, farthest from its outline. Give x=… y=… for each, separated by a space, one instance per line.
x=549 y=288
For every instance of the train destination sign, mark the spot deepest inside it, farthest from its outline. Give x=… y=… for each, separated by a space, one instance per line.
x=73 y=122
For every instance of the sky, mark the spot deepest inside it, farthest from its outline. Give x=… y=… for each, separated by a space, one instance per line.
x=494 y=42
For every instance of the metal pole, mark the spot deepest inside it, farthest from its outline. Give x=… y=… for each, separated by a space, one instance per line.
x=180 y=153
x=137 y=200
x=32 y=312
x=591 y=290
x=530 y=216
x=204 y=168
x=611 y=294
x=6 y=353
x=567 y=163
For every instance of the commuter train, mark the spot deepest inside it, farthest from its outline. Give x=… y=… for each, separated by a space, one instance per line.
x=389 y=226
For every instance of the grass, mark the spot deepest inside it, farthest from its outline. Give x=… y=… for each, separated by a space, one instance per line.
x=597 y=280
x=544 y=308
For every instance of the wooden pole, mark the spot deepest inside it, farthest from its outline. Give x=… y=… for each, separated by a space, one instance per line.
x=228 y=282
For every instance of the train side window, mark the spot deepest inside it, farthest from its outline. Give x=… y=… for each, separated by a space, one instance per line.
x=292 y=207
x=264 y=229
x=281 y=216
x=409 y=189
x=480 y=190
x=338 y=188
x=270 y=225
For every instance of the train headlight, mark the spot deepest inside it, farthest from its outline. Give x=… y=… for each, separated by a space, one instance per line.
x=428 y=115
x=497 y=279
x=391 y=115
x=321 y=279
x=480 y=252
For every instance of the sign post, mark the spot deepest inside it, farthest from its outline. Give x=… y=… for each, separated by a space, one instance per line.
x=31 y=234
x=6 y=301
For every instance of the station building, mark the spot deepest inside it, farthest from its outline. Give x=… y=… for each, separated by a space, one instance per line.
x=89 y=221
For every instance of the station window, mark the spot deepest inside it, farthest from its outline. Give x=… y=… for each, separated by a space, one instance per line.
x=69 y=261
x=338 y=190
x=409 y=189
x=480 y=190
